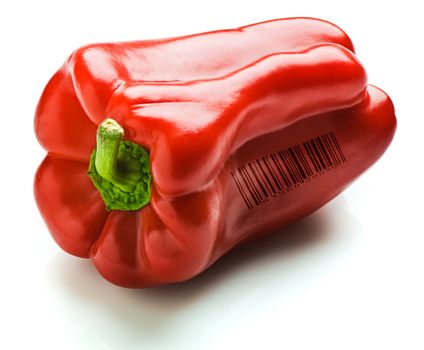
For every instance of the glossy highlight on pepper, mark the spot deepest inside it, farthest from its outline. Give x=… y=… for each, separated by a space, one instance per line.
x=197 y=144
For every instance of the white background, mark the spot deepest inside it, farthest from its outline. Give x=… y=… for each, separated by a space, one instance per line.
x=348 y=277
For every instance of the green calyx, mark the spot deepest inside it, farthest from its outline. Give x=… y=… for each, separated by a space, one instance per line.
x=119 y=169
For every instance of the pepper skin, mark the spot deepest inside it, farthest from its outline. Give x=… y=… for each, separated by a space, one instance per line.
x=248 y=130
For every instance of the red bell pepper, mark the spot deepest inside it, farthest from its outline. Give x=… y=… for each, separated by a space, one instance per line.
x=210 y=140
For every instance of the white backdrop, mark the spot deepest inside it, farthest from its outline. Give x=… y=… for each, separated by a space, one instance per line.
x=348 y=277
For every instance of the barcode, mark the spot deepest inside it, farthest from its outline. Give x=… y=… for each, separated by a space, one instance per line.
x=270 y=176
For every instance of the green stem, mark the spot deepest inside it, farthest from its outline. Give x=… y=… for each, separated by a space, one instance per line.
x=109 y=136
x=119 y=169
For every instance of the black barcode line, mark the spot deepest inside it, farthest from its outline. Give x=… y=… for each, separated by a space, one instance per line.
x=304 y=161
x=283 y=165
x=255 y=184
x=295 y=165
x=296 y=160
x=323 y=152
x=273 y=175
x=286 y=169
x=252 y=189
x=337 y=155
x=333 y=137
x=308 y=149
x=259 y=182
x=241 y=190
x=244 y=181
x=289 y=164
x=333 y=155
x=280 y=169
x=264 y=176
x=318 y=154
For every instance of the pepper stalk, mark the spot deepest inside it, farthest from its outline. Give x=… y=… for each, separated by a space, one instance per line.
x=119 y=169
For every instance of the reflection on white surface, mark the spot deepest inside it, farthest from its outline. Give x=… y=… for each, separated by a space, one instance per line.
x=258 y=278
